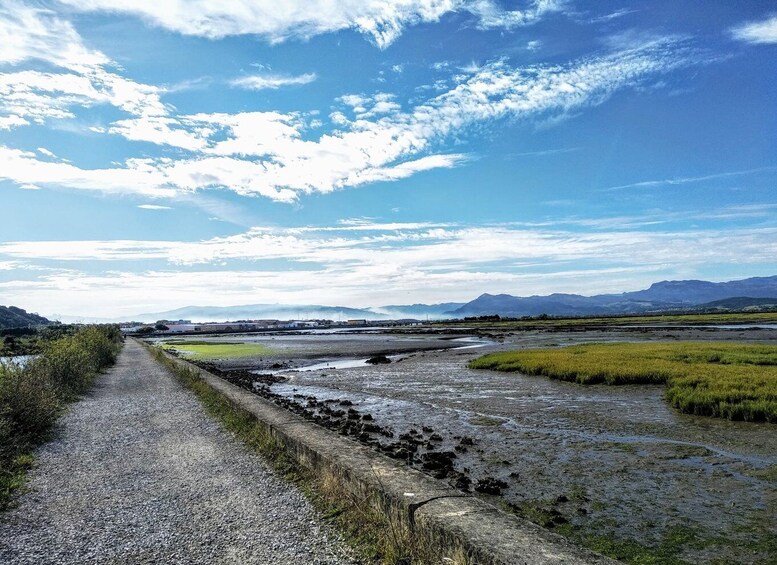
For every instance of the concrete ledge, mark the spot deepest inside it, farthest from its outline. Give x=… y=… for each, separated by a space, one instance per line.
x=457 y=526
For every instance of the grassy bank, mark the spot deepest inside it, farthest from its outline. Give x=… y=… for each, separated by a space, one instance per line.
x=726 y=380
x=374 y=535
x=203 y=350
x=738 y=318
x=33 y=396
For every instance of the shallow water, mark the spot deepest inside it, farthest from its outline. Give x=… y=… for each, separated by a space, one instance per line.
x=20 y=360
x=617 y=461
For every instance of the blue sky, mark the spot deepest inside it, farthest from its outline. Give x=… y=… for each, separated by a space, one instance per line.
x=361 y=153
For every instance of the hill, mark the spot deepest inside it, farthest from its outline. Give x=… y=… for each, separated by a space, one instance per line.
x=13 y=317
x=740 y=303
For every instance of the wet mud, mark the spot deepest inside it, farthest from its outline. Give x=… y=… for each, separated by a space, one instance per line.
x=593 y=462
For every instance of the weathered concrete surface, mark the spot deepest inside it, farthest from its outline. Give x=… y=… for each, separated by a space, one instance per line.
x=139 y=473
x=456 y=524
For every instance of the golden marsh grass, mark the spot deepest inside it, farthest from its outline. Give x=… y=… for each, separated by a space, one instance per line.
x=737 y=381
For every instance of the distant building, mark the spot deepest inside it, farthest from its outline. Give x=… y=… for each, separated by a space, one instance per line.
x=357 y=322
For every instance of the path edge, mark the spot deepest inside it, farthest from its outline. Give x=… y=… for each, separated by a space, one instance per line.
x=450 y=524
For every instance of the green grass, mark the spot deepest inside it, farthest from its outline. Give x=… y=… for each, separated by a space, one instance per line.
x=204 y=350
x=737 y=381
x=677 y=319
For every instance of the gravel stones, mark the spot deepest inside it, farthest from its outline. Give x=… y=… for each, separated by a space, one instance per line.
x=139 y=473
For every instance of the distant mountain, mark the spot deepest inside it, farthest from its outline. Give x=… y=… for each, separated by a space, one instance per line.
x=262 y=312
x=665 y=295
x=661 y=296
x=740 y=303
x=698 y=292
x=419 y=311
x=13 y=317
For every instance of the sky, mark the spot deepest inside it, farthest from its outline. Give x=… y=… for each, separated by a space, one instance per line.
x=155 y=155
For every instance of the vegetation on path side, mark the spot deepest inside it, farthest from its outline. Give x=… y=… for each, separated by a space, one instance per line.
x=34 y=395
x=737 y=381
x=374 y=535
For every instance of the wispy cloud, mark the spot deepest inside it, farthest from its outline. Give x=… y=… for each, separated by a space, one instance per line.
x=545 y=152
x=381 y=20
x=266 y=153
x=427 y=247
x=428 y=260
x=674 y=181
x=30 y=32
x=757 y=32
x=83 y=80
x=153 y=207
x=611 y=16
x=271 y=81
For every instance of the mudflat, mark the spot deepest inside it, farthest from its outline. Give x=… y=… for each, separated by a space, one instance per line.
x=616 y=468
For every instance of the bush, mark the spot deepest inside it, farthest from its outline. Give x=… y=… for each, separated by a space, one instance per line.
x=31 y=397
x=29 y=403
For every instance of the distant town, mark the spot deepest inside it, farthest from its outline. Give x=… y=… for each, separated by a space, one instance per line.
x=187 y=326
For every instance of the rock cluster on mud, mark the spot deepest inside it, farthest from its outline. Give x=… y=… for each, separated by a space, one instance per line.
x=420 y=449
x=378 y=360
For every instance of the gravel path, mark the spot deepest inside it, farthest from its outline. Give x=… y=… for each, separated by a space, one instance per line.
x=140 y=474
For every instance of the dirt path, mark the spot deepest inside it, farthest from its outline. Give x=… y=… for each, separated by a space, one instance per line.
x=139 y=473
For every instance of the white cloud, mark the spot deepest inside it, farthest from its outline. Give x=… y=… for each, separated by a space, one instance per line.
x=493 y=16
x=28 y=33
x=266 y=153
x=429 y=261
x=430 y=247
x=8 y=122
x=153 y=207
x=757 y=32
x=534 y=45
x=611 y=16
x=382 y=20
x=139 y=176
x=272 y=82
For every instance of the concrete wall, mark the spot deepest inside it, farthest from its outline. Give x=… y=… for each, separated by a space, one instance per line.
x=456 y=525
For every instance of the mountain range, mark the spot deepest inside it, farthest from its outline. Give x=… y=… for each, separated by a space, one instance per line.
x=661 y=296
x=665 y=295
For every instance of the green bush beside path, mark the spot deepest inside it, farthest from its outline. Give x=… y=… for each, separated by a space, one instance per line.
x=34 y=395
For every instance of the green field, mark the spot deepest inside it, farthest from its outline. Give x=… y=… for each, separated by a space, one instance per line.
x=737 y=381
x=204 y=350
x=743 y=318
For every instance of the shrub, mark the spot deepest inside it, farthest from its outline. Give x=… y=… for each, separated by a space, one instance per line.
x=29 y=403
x=32 y=396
